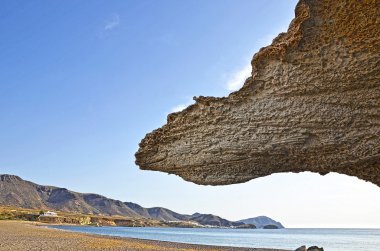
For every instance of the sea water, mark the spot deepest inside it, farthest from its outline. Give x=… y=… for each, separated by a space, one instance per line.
x=289 y=238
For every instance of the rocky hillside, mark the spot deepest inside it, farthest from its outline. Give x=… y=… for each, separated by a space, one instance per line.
x=17 y=192
x=263 y=222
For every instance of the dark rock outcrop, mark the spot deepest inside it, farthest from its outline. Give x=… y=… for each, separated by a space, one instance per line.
x=270 y=227
x=302 y=248
x=314 y=248
x=311 y=104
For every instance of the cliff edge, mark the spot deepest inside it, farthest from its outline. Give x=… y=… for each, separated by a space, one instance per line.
x=311 y=104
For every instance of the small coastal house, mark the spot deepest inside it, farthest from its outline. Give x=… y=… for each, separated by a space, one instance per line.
x=49 y=217
x=50 y=214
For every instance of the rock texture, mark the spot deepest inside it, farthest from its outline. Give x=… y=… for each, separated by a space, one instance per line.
x=311 y=104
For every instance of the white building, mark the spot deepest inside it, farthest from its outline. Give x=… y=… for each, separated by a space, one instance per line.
x=50 y=214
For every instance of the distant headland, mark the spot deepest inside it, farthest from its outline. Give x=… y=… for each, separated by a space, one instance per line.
x=26 y=200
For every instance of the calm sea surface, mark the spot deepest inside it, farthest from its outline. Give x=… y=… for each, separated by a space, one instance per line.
x=290 y=238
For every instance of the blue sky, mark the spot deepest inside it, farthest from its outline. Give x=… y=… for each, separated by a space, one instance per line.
x=82 y=82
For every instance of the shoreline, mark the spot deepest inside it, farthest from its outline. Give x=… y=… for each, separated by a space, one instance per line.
x=24 y=235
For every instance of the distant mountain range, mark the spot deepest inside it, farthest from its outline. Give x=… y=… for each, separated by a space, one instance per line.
x=17 y=192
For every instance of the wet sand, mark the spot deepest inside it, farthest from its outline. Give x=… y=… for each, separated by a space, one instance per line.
x=20 y=235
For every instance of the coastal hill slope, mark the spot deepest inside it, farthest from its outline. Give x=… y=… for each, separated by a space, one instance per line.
x=262 y=222
x=16 y=192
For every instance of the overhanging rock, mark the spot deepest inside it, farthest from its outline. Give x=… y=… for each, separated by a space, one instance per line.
x=311 y=104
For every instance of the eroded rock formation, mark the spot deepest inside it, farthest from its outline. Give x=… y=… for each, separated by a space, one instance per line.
x=311 y=104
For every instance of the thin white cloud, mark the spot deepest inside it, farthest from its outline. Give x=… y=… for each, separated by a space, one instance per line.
x=181 y=107
x=178 y=108
x=237 y=79
x=267 y=40
x=112 y=23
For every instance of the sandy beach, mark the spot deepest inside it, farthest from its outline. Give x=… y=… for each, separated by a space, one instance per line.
x=21 y=235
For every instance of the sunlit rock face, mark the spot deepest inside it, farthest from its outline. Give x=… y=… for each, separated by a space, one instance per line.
x=311 y=104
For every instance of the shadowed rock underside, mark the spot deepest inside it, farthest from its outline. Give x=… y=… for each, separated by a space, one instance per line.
x=311 y=104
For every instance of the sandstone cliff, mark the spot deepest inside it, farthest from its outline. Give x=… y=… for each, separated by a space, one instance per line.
x=311 y=104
